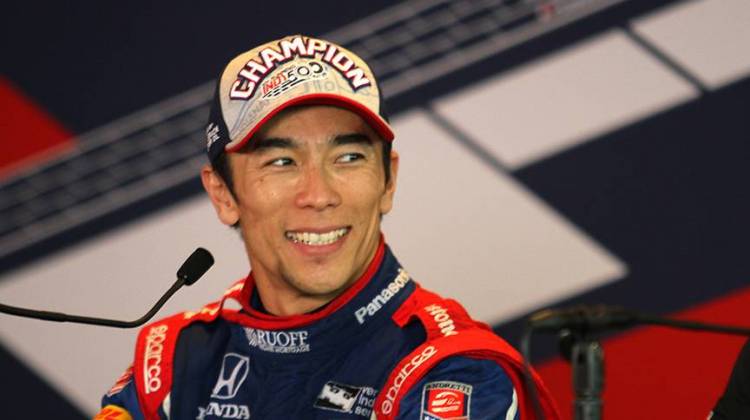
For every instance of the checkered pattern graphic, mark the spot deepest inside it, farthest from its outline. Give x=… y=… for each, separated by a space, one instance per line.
x=162 y=146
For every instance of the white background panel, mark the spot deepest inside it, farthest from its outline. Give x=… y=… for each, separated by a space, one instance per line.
x=710 y=38
x=117 y=275
x=559 y=101
x=467 y=232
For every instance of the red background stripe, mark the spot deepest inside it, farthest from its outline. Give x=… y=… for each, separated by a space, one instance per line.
x=661 y=373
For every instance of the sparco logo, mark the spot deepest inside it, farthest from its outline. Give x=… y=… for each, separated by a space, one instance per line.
x=390 y=395
x=278 y=341
x=383 y=297
x=152 y=358
x=234 y=369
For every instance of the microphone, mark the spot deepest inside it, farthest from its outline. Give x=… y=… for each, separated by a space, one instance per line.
x=586 y=318
x=598 y=318
x=195 y=266
x=191 y=270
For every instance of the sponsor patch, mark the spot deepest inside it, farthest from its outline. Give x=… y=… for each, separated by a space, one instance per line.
x=445 y=400
x=383 y=297
x=442 y=320
x=121 y=382
x=346 y=399
x=153 y=357
x=113 y=412
x=223 y=411
x=212 y=135
x=234 y=369
x=278 y=341
x=413 y=364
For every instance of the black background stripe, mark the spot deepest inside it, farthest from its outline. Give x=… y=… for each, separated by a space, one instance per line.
x=668 y=196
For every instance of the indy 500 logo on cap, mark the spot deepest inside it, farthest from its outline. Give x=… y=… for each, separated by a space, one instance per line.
x=292 y=76
x=310 y=52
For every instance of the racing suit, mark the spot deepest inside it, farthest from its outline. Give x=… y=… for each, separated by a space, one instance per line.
x=385 y=348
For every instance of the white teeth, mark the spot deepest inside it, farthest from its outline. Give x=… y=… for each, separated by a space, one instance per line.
x=312 y=238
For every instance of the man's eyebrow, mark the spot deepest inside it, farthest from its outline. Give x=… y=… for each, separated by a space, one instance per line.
x=273 y=143
x=352 y=138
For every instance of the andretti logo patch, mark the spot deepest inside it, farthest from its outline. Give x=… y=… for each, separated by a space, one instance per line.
x=445 y=400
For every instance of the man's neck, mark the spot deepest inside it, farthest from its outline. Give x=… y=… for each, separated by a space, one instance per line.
x=280 y=302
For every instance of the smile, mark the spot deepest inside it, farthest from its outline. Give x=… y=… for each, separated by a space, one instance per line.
x=317 y=239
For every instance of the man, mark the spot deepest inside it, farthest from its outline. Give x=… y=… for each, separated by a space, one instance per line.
x=330 y=326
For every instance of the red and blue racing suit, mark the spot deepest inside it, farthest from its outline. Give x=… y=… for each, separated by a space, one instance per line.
x=385 y=349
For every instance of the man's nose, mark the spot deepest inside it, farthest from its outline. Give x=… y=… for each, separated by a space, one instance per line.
x=317 y=189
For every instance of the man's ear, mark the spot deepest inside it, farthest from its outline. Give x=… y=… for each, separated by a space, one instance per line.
x=224 y=203
x=386 y=203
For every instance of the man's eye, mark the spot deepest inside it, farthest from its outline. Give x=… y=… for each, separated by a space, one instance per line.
x=280 y=162
x=350 y=157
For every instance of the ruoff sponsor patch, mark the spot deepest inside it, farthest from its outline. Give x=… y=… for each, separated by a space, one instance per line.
x=445 y=400
x=278 y=341
x=346 y=398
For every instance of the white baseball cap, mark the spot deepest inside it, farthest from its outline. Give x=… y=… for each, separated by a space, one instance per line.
x=295 y=70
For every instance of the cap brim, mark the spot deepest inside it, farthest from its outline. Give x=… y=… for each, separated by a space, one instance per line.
x=374 y=120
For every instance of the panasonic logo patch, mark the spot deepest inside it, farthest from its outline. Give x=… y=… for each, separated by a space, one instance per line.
x=383 y=297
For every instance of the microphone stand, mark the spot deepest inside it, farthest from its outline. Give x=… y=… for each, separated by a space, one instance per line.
x=587 y=360
x=576 y=327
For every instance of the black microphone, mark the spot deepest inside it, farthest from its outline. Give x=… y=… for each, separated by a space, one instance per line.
x=586 y=318
x=191 y=270
x=600 y=318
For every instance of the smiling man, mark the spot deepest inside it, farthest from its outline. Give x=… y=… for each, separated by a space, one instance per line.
x=330 y=325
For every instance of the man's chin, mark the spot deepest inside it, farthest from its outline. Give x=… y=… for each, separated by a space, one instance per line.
x=318 y=284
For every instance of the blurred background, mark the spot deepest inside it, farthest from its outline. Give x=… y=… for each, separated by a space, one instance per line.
x=553 y=153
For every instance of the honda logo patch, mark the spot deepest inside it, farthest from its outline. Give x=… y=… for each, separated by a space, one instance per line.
x=234 y=369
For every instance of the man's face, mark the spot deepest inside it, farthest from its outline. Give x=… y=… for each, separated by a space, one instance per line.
x=309 y=197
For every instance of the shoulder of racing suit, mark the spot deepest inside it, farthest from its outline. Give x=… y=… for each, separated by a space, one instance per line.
x=452 y=335
x=143 y=390
x=154 y=362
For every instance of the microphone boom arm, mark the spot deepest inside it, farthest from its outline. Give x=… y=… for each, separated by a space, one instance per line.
x=61 y=317
x=191 y=270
